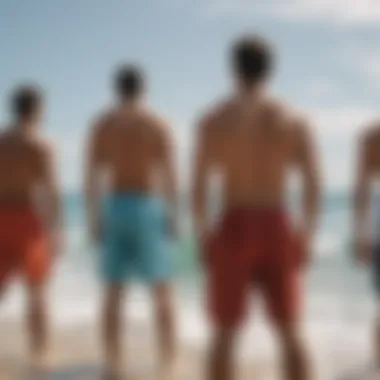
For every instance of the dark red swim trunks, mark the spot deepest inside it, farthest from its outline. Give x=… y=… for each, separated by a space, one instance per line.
x=23 y=246
x=253 y=249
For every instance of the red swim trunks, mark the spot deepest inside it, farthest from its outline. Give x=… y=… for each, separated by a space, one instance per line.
x=23 y=248
x=253 y=248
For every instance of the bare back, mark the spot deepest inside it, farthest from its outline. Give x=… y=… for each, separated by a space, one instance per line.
x=253 y=148
x=21 y=166
x=129 y=145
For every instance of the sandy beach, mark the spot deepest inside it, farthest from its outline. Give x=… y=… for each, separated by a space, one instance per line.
x=75 y=355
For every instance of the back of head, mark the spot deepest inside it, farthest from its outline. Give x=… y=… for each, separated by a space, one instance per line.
x=129 y=82
x=252 y=60
x=26 y=102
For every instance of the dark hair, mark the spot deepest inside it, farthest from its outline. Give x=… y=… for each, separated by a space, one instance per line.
x=129 y=81
x=26 y=99
x=252 y=59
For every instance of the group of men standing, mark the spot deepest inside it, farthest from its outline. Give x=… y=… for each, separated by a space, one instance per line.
x=251 y=138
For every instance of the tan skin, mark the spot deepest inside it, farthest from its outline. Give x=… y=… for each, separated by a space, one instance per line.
x=30 y=160
x=134 y=146
x=253 y=142
x=368 y=170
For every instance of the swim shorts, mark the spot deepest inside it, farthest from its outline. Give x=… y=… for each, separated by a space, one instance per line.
x=135 y=239
x=23 y=245
x=253 y=249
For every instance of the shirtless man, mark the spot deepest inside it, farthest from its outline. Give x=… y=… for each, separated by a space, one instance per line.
x=253 y=141
x=134 y=147
x=367 y=244
x=29 y=211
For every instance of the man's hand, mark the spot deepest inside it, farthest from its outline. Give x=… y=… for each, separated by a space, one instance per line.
x=95 y=232
x=173 y=229
x=55 y=242
x=304 y=248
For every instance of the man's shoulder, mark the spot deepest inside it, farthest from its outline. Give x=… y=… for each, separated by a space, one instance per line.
x=4 y=135
x=287 y=115
x=153 y=118
x=274 y=105
x=210 y=118
x=41 y=146
x=103 y=119
x=297 y=120
x=155 y=123
x=371 y=135
x=34 y=146
x=37 y=148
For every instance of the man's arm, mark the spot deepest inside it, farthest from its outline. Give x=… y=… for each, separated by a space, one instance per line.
x=93 y=161
x=202 y=166
x=50 y=198
x=362 y=200
x=310 y=173
x=169 y=175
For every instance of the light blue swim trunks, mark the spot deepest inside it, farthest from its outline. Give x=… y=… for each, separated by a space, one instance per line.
x=135 y=239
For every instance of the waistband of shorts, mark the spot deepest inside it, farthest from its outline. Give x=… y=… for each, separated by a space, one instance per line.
x=132 y=197
x=256 y=210
x=256 y=214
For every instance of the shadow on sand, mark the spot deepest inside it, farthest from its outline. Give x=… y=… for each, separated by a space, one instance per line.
x=74 y=372
x=14 y=368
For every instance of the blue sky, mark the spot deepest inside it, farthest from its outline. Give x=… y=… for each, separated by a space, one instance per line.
x=329 y=63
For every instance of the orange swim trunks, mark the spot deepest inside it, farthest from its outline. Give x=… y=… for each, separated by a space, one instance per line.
x=253 y=249
x=23 y=248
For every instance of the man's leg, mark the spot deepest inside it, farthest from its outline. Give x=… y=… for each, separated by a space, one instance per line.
x=228 y=297
x=2 y=291
x=296 y=364
x=377 y=340
x=164 y=314
x=376 y=327
x=220 y=366
x=111 y=329
x=228 y=291
x=37 y=323
x=6 y=275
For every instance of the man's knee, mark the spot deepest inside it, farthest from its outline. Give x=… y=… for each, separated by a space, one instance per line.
x=36 y=296
x=223 y=338
x=289 y=335
x=291 y=339
x=112 y=297
x=2 y=291
x=163 y=301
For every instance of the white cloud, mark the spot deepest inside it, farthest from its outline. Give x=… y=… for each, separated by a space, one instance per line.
x=341 y=121
x=371 y=68
x=366 y=62
x=319 y=88
x=336 y=11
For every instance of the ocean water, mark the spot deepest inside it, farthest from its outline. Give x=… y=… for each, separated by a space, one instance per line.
x=339 y=301
x=333 y=274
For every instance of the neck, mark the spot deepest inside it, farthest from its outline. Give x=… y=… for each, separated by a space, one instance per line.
x=130 y=104
x=26 y=127
x=250 y=93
